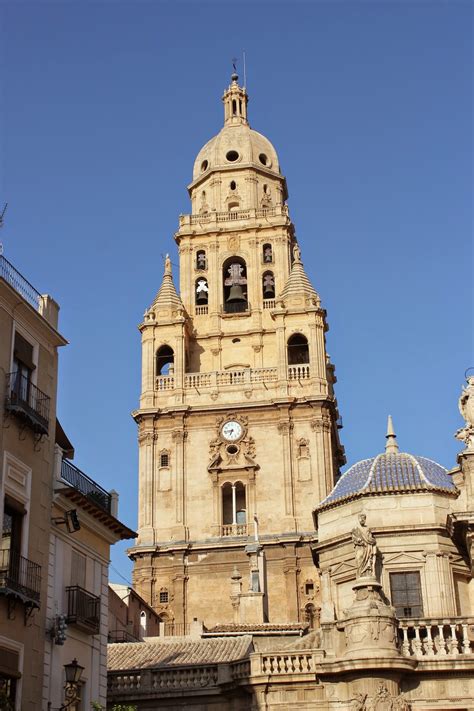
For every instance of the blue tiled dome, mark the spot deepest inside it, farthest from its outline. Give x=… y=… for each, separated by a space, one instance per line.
x=389 y=473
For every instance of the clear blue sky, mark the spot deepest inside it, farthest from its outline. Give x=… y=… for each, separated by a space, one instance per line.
x=369 y=105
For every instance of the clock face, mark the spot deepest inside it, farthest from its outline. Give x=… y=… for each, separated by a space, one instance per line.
x=232 y=431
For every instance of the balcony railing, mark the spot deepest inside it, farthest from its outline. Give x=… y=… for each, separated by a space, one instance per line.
x=13 y=277
x=83 y=609
x=27 y=401
x=234 y=529
x=233 y=215
x=87 y=486
x=20 y=576
x=441 y=637
x=176 y=629
x=220 y=378
x=116 y=636
x=299 y=372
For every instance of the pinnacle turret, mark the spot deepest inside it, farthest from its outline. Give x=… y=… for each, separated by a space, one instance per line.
x=391 y=446
x=167 y=296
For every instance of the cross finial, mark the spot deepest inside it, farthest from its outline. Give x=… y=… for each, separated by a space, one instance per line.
x=234 y=76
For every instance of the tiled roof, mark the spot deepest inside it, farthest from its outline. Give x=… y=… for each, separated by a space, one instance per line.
x=177 y=651
x=390 y=473
x=298 y=284
x=167 y=296
x=264 y=627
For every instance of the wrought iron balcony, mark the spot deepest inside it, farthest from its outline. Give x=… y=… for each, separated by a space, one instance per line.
x=85 y=485
x=20 y=577
x=27 y=402
x=19 y=283
x=83 y=609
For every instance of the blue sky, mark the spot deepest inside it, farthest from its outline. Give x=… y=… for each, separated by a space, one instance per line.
x=369 y=105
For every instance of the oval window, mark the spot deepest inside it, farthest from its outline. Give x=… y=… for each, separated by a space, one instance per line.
x=232 y=156
x=263 y=159
x=204 y=166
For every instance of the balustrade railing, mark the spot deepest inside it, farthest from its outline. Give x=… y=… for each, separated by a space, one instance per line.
x=234 y=215
x=234 y=529
x=165 y=382
x=13 y=277
x=269 y=304
x=297 y=663
x=440 y=637
x=299 y=372
x=263 y=375
x=201 y=310
x=27 y=401
x=176 y=629
x=197 y=677
x=87 y=486
x=231 y=377
x=20 y=575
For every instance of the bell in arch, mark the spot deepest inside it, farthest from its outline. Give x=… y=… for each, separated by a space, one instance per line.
x=236 y=293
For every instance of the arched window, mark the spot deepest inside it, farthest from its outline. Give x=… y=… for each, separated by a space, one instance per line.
x=201 y=261
x=268 y=285
x=310 y=615
x=234 y=107
x=298 y=351
x=233 y=185
x=202 y=292
x=164 y=360
x=234 y=279
x=267 y=253
x=233 y=206
x=234 y=509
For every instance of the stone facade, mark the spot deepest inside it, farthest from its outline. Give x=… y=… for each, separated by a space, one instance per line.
x=324 y=591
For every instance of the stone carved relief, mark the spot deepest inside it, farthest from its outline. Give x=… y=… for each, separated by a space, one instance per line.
x=321 y=424
x=233 y=243
x=466 y=408
x=223 y=453
x=382 y=700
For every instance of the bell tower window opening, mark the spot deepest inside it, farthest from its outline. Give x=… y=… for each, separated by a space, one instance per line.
x=164 y=360
x=298 y=350
x=268 y=285
x=267 y=254
x=235 y=285
x=234 y=107
x=234 y=506
x=202 y=292
x=201 y=260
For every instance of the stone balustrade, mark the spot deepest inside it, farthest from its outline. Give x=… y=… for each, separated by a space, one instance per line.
x=208 y=218
x=234 y=529
x=270 y=664
x=436 y=637
x=299 y=372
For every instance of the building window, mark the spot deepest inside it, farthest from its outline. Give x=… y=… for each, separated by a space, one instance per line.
x=406 y=594
x=309 y=588
x=201 y=261
x=268 y=285
x=234 y=509
x=298 y=351
x=78 y=569
x=164 y=360
x=267 y=254
x=202 y=292
x=23 y=367
x=235 y=285
x=164 y=459
x=7 y=691
x=164 y=596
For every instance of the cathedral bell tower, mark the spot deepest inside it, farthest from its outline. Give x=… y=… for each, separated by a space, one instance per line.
x=237 y=420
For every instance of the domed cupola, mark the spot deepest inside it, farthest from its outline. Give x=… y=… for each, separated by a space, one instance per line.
x=238 y=168
x=392 y=472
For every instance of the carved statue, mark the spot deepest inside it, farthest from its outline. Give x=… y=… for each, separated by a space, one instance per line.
x=466 y=408
x=296 y=254
x=365 y=549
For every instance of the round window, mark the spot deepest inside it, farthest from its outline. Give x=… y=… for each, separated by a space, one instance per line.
x=204 y=166
x=232 y=156
x=263 y=159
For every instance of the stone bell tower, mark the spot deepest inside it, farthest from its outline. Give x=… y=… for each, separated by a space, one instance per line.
x=237 y=420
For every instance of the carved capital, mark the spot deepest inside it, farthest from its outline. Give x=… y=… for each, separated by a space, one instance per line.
x=285 y=427
x=179 y=435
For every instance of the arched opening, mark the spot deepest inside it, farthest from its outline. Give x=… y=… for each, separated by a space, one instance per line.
x=310 y=615
x=234 y=107
x=268 y=285
x=164 y=360
x=202 y=292
x=298 y=351
x=234 y=277
x=233 y=206
x=267 y=253
x=234 y=509
x=201 y=261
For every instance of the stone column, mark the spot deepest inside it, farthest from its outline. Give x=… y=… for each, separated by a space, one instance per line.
x=285 y=429
x=179 y=437
x=440 y=600
x=146 y=488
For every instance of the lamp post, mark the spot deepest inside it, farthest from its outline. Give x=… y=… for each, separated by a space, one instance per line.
x=73 y=672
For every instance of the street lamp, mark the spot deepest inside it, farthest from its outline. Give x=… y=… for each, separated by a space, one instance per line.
x=73 y=672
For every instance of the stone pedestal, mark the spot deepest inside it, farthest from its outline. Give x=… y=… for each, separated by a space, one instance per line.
x=251 y=608
x=370 y=624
